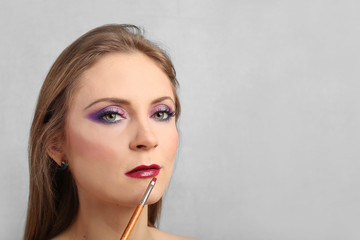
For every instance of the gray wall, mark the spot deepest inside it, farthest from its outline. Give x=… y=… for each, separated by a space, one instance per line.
x=270 y=123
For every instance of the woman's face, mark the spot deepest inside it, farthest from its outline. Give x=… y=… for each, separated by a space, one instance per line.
x=121 y=117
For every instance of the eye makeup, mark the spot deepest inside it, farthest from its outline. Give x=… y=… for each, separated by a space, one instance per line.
x=108 y=115
x=162 y=113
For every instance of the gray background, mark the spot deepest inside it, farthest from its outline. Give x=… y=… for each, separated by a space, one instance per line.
x=270 y=123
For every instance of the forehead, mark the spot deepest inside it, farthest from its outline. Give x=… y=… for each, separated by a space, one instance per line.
x=130 y=76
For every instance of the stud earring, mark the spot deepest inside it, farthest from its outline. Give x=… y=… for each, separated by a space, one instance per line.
x=64 y=165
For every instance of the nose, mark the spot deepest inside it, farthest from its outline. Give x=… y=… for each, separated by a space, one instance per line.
x=144 y=137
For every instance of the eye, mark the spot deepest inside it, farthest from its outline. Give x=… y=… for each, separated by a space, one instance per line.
x=112 y=117
x=161 y=116
x=162 y=113
x=108 y=115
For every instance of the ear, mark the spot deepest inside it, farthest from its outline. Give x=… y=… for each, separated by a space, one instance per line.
x=56 y=154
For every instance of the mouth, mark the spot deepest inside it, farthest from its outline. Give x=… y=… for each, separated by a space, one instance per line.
x=144 y=171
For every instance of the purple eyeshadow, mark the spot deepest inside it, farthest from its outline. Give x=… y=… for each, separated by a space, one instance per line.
x=99 y=115
x=162 y=109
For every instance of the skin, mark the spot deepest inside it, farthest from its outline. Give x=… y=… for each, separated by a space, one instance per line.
x=99 y=154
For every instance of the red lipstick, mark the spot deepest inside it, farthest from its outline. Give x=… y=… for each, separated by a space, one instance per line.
x=144 y=171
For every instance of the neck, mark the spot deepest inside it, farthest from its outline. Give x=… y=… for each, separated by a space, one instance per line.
x=96 y=220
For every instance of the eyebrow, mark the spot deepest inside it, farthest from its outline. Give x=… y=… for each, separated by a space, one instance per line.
x=126 y=102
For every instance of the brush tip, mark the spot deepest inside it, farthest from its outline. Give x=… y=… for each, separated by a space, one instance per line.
x=154 y=179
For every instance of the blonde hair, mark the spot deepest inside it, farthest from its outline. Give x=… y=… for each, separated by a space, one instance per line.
x=53 y=200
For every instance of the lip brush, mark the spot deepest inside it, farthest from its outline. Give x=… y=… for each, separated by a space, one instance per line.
x=137 y=211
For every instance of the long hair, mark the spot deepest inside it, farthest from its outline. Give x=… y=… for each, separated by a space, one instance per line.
x=53 y=198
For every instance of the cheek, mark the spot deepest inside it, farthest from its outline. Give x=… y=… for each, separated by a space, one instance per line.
x=171 y=143
x=174 y=141
x=95 y=161
x=90 y=146
x=95 y=157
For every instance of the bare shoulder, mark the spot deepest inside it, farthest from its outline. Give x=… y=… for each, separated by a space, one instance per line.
x=160 y=235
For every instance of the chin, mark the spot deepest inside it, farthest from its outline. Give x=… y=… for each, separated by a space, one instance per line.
x=154 y=197
x=133 y=200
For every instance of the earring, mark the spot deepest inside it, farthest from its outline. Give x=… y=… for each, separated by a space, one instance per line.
x=64 y=165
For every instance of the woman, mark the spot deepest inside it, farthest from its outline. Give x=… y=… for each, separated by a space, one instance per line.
x=104 y=125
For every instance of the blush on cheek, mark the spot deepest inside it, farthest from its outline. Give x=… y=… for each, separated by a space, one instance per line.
x=82 y=146
x=173 y=143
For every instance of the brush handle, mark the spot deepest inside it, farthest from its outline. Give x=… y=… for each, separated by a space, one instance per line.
x=132 y=222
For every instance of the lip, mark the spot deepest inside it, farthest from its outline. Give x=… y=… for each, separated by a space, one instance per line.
x=144 y=171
